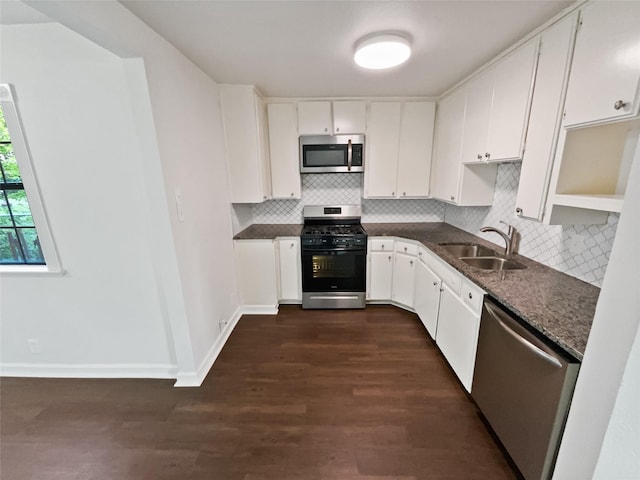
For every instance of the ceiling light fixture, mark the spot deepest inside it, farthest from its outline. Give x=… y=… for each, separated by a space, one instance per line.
x=382 y=50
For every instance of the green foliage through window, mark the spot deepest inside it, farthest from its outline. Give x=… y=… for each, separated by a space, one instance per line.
x=19 y=242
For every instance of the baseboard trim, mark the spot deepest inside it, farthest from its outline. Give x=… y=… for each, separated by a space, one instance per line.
x=60 y=370
x=259 y=309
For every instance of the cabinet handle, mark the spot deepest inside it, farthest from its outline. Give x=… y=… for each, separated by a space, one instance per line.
x=435 y=284
x=487 y=155
x=452 y=197
x=404 y=194
x=292 y=194
x=337 y=129
x=619 y=104
x=264 y=198
x=405 y=249
x=349 y=155
x=393 y=194
x=292 y=245
x=470 y=295
x=389 y=257
x=411 y=262
x=518 y=211
x=479 y=156
x=383 y=246
x=326 y=129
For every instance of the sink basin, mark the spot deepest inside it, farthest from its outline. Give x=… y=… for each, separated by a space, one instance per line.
x=467 y=250
x=493 y=263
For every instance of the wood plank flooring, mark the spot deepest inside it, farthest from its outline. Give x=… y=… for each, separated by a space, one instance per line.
x=302 y=395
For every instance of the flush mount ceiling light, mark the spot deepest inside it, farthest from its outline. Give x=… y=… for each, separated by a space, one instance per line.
x=381 y=51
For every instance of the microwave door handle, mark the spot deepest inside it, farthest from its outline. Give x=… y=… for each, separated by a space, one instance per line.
x=349 y=155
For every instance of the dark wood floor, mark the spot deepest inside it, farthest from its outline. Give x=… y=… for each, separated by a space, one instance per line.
x=301 y=395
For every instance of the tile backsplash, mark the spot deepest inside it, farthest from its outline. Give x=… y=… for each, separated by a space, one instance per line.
x=581 y=251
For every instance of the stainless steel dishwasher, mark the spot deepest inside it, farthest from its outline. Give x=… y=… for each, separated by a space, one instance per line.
x=523 y=386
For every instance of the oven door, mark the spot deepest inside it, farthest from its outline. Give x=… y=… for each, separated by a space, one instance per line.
x=333 y=270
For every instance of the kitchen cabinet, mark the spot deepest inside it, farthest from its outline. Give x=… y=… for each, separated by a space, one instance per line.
x=497 y=108
x=545 y=117
x=289 y=270
x=244 y=114
x=327 y=118
x=405 y=258
x=427 y=296
x=284 y=152
x=605 y=71
x=256 y=269
x=380 y=269
x=458 y=326
x=451 y=181
x=399 y=148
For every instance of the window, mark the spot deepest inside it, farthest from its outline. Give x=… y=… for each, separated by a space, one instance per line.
x=26 y=243
x=19 y=243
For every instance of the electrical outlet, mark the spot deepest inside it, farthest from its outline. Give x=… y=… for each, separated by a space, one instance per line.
x=34 y=346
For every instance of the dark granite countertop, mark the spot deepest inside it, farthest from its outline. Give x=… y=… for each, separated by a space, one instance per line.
x=269 y=231
x=558 y=305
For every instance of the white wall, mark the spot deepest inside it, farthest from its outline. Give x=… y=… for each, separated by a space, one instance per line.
x=175 y=120
x=607 y=396
x=104 y=315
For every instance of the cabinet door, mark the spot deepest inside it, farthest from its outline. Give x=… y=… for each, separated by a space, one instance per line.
x=263 y=146
x=545 y=118
x=605 y=68
x=290 y=269
x=349 y=117
x=512 y=88
x=314 y=118
x=427 y=297
x=380 y=275
x=383 y=140
x=448 y=144
x=457 y=335
x=477 y=117
x=416 y=144
x=244 y=130
x=256 y=267
x=283 y=148
x=404 y=279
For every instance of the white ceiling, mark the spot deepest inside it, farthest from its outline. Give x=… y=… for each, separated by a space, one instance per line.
x=305 y=48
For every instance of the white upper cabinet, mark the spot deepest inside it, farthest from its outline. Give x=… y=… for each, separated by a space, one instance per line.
x=382 y=143
x=606 y=64
x=452 y=182
x=327 y=118
x=497 y=108
x=244 y=114
x=349 y=117
x=315 y=118
x=545 y=118
x=283 y=148
x=399 y=146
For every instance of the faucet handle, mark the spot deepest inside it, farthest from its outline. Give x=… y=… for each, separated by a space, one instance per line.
x=511 y=227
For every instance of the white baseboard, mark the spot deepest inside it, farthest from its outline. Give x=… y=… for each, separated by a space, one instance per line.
x=258 y=309
x=60 y=370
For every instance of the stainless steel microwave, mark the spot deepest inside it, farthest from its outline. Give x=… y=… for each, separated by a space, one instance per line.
x=331 y=153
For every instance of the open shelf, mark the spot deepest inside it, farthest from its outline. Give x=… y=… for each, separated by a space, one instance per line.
x=607 y=203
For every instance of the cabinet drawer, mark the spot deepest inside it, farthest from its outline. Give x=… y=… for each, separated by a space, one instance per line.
x=381 y=245
x=407 y=248
x=472 y=295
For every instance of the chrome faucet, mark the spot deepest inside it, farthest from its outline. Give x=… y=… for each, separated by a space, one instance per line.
x=509 y=238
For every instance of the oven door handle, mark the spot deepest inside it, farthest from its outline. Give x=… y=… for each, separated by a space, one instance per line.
x=349 y=155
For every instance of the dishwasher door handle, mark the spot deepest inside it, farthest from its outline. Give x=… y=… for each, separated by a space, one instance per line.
x=526 y=343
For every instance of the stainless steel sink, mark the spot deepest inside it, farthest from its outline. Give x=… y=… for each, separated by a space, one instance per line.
x=467 y=250
x=493 y=263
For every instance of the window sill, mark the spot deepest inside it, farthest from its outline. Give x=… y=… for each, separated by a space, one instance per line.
x=29 y=270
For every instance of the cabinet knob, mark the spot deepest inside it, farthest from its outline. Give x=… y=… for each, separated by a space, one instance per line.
x=292 y=245
x=452 y=197
x=479 y=156
x=337 y=129
x=411 y=262
x=405 y=249
x=326 y=129
x=435 y=284
x=619 y=104
x=389 y=257
x=518 y=211
x=393 y=193
x=292 y=194
x=487 y=155
x=470 y=295
x=382 y=247
x=264 y=197
x=404 y=194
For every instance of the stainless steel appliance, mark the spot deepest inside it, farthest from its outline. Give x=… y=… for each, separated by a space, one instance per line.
x=334 y=257
x=523 y=386
x=331 y=153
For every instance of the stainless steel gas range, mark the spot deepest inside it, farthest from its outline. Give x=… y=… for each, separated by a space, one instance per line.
x=334 y=257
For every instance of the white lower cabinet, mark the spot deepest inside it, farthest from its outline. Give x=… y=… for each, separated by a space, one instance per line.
x=256 y=269
x=380 y=275
x=458 y=326
x=427 y=297
x=403 y=279
x=289 y=270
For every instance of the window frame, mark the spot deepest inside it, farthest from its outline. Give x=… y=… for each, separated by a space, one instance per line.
x=29 y=180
